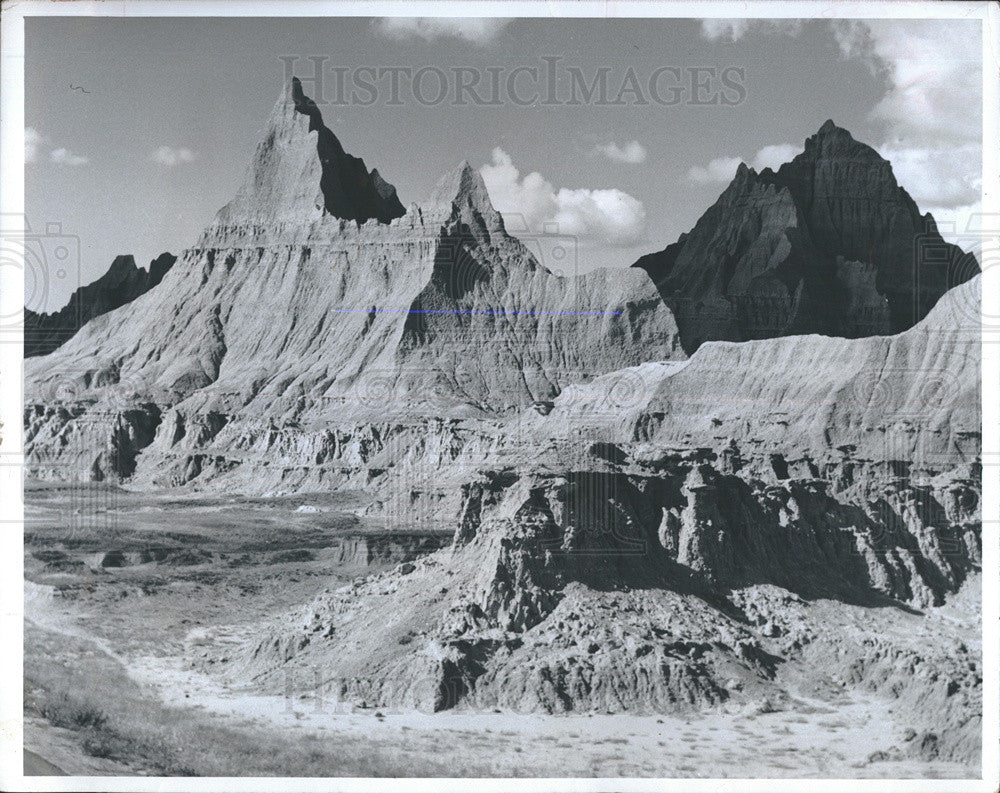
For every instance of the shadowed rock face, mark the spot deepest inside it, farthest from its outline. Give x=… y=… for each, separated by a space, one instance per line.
x=349 y=191
x=830 y=244
x=120 y=285
x=684 y=536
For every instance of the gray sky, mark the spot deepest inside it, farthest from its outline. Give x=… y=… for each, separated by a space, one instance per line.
x=140 y=130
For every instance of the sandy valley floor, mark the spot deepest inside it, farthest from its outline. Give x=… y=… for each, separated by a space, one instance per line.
x=112 y=685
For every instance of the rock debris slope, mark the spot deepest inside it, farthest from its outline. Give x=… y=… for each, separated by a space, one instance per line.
x=287 y=320
x=829 y=243
x=121 y=284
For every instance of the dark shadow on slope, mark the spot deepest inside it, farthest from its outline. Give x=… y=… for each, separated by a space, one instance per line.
x=349 y=190
x=120 y=285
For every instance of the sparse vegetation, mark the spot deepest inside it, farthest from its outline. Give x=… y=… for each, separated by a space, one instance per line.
x=117 y=720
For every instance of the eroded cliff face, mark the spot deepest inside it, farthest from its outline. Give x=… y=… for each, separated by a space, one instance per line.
x=633 y=529
x=672 y=587
x=293 y=316
x=830 y=243
x=684 y=536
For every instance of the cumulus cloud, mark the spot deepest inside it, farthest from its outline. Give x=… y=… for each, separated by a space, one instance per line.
x=607 y=216
x=37 y=146
x=774 y=157
x=723 y=169
x=33 y=142
x=937 y=176
x=632 y=153
x=169 y=157
x=476 y=30
x=931 y=87
x=929 y=117
x=735 y=29
x=66 y=157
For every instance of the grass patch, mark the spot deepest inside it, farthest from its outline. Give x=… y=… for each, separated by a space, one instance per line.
x=72 y=684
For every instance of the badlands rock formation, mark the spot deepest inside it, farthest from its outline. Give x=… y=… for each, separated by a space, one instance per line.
x=633 y=529
x=674 y=536
x=121 y=284
x=294 y=172
x=291 y=332
x=830 y=243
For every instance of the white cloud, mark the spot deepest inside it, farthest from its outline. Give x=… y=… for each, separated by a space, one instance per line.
x=933 y=72
x=476 y=30
x=33 y=141
x=937 y=176
x=632 y=153
x=735 y=29
x=723 y=169
x=607 y=216
x=169 y=157
x=37 y=145
x=774 y=157
x=66 y=157
x=929 y=115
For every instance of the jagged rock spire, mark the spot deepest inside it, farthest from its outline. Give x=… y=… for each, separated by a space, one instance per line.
x=121 y=284
x=462 y=194
x=294 y=174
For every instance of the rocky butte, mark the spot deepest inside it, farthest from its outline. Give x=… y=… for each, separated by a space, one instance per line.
x=286 y=321
x=830 y=244
x=749 y=461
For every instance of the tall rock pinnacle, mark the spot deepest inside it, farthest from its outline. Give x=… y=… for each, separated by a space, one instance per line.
x=295 y=173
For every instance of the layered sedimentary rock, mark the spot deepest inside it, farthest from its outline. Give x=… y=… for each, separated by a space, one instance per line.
x=639 y=591
x=288 y=324
x=686 y=536
x=829 y=243
x=293 y=173
x=911 y=397
x=120 y=285
x=633 y=530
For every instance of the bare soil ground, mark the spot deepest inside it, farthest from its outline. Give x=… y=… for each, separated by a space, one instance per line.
x=123 y=593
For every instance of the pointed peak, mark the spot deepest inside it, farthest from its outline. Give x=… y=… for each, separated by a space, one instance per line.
x=462 y=194
x=121 y=267
x=160 y=266
x=296 y=173
x=305 y=105
x=741 y=182
x=462 y=185
x=831 y=132
x=836 y=142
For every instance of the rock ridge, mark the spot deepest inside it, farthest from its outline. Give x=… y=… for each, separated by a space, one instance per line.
x=122 y=283
x=829 y=243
